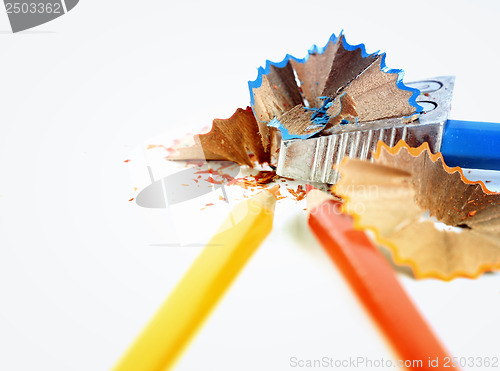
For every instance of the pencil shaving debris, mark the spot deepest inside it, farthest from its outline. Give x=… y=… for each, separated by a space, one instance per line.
x=339 y=84
x=429 y=215
x=299 y=194
x=263 y=179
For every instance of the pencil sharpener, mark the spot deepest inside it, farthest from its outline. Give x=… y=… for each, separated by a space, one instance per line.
x=315 y=159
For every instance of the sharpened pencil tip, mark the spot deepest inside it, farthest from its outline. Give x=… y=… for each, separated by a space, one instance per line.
x=274 y=190
x=315 y=197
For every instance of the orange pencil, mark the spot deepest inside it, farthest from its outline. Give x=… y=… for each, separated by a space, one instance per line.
x=374 y=281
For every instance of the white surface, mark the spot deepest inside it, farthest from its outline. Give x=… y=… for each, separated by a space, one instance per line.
x=80 y=274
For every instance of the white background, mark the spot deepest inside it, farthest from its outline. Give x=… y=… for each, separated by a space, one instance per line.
x=82 y=269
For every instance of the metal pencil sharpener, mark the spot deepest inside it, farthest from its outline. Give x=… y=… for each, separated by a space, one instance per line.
x=315 y=159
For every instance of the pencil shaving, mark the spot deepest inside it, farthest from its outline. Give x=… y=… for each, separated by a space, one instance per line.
x=229 y=139
x=302 y=122
x=325 y=76
x=429 y=215
x=299 y=98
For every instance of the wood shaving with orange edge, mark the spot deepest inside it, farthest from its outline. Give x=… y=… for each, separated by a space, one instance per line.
x=429 y=215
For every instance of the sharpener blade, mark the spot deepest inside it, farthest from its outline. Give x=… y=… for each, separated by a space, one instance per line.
x=314 y=159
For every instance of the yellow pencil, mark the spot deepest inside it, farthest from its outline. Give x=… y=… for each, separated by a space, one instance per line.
x=165 y=337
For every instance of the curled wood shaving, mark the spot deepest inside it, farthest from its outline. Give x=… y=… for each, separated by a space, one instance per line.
x=233 y=139
x=429 y=215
